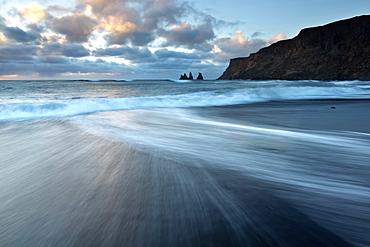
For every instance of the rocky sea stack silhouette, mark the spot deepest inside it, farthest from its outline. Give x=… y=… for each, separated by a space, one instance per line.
x=190 y=77
x=336 y=51
x=200 y=76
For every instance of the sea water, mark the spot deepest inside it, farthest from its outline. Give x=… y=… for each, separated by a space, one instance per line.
x=173 y=163
x=39 y=99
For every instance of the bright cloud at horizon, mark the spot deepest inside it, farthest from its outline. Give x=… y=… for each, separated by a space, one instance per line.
x=121 y=39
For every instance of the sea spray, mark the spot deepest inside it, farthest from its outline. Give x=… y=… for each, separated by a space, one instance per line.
x=207 y=94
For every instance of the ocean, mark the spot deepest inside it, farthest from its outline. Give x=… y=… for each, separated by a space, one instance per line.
x=184 y=163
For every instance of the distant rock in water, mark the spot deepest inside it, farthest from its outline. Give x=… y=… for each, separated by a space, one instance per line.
x=336 y=51
x=184 y=77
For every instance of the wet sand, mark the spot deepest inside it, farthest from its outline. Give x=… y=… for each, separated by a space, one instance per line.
x=61 y=186
x=332 y=115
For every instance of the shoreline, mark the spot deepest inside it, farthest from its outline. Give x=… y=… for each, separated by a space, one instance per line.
x=328 y=115
x=92 y=190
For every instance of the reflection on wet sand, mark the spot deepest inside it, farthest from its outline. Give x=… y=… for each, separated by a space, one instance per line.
x=190 y=177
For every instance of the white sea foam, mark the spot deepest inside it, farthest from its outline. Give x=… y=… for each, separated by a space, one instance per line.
x=77 y=106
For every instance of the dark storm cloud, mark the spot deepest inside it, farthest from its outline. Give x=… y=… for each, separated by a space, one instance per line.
x=77 y=27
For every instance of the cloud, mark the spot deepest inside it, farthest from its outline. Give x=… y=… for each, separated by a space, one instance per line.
x=32 y=12
x=188 y=35
x=56 y=39
x=256 y=35
x=164 y=12
x=16 y=50
x=238 y=45
x=49 y=52
x=134 y=54
x=58 y=10
x=3 y=39
x=47 y=67
x=77 y=26
x=139 y=23
x=102 y=5
x=67 y=50
x=74 y=50
x=130 y=36
x=118 y=24
x=16 y=59
x=170 y=69
x=17 y=34
x=54 y=66
x=278 y=37
x=114 y=51
x=164 y=53
x=117 y=18
x=141 y=38
x=53 y=60
x=130 y=23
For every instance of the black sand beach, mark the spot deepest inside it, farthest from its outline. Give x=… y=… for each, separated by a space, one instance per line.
x=332 y=115
x=268 y=174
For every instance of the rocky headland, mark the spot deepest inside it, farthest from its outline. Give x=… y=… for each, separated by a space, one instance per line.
x=336 y=51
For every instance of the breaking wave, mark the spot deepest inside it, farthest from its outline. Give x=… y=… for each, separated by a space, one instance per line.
x=78 y=106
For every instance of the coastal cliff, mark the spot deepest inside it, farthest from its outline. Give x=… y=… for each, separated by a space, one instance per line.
x=336 y=51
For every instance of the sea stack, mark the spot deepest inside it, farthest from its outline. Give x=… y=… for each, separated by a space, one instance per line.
x=336 y=51
x=184 y=77
x=200 y=76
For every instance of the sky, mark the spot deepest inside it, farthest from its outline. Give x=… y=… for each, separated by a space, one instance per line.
x=149 y=39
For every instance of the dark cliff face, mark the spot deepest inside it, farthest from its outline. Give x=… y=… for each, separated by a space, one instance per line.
x=336 y=51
